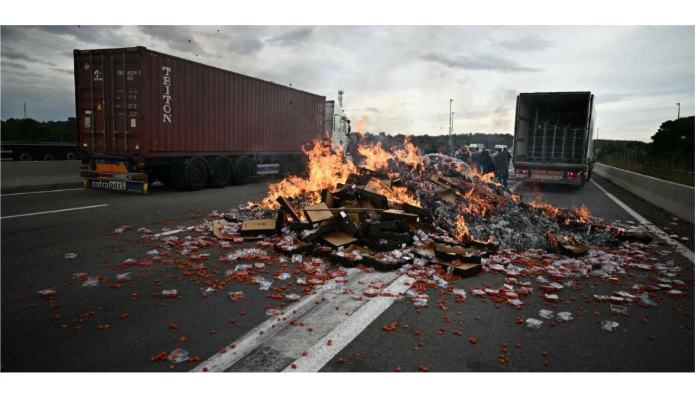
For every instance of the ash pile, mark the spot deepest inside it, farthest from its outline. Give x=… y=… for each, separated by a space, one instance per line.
x=397 y=208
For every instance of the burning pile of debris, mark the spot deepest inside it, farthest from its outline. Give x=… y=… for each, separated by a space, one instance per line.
x=397 y=206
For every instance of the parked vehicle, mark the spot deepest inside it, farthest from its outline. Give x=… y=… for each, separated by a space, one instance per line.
x=553 y=140
x=145 y=115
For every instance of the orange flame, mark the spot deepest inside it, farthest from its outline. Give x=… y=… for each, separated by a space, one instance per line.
x=410 y=154
x=462 y=230
x=327 y=169
x=361 y=127
x=376 y=157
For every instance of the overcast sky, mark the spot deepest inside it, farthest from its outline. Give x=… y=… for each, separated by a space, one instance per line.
x=400 y=78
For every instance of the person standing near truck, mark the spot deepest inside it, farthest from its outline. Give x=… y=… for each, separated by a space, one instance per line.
x=501 y=163
x=486 y=162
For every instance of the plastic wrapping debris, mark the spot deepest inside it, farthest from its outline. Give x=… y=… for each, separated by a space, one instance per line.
x=609 y=325
x=207 y=291
x=236 y=296
x=178 y=355
x=169 y=293
x=565 y=316
x=615 y=309
x=646 y=300
x=301 y=281
x=421 y=300
x=265 y=285
x=284 y=276
x=515 y=302
x=371 y=292
x=71 y=255
x=47 y=293
x=272 y=312
x=91 y=281
x=123 y=277
x=292 y=297
x=548 y=314
x=459 y=293
x=297 y=258
x=122 y=229
x=81 y=276
x=259 y=265
x=533 y=323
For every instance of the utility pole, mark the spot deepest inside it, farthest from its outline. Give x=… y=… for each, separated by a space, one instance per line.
x=25 y=110
x=341 y=92
x=679 y=110
x=451 y=138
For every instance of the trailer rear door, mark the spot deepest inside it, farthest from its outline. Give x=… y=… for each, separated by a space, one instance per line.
x=109 y=99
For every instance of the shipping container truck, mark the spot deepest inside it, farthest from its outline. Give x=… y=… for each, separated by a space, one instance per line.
x=553 y=140
x=144 y=115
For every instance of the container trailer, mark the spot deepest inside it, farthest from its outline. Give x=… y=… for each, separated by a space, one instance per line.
x=145 y=115
x=553 y=139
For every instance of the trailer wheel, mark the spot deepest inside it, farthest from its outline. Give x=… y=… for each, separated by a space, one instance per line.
x=197 y=173
x=588 y=176
x=243 y=171
x=221 y=173
x=25 y=155
x=48 y=155
x=69 y=155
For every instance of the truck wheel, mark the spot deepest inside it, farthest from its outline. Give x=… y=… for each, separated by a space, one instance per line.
x=69 y=155
x=243 y=171
x=197 y=172
x=48 y=155
x=25 y=155
x=221 y=173
x=588 y=176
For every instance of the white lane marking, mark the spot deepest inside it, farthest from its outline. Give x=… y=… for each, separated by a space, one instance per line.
x=653 y=228
x=43 y=191
x=321 y=353
x=512 y=188
x=168 y=233
x=253 y=339
x=54 y=211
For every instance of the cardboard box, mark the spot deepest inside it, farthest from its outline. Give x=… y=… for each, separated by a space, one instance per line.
x=347 y=223
x=317 y=212
x=467 y=270
x=287 y=208
x=325 y=227
x=217 y=225
x=256 y=227
x=424 y=248
x=348 y=263
x=322 y=251
x=378 y=262
x=338 y=239
x=573 y=250
x=449 y=195
x=422 y=212
x=302 y=248
x=378 y=244
x=462 y=254
x=401 y=215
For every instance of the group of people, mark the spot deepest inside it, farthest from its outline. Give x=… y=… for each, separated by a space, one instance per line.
x=485 y=163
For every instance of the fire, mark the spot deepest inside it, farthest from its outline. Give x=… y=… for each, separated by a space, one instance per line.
x=462 y=230
x=410 y=154
x=361 y=127
x=397 y=194
x=544 y=206
x=376 y=158
x=582 y=213
x=327 y=169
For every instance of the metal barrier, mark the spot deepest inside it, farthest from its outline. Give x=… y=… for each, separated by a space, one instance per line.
x=22 y=176
x=675 y=198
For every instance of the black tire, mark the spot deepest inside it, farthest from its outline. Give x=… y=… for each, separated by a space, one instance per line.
x=25 y=155
x=221 y=173
x=70 y=155
x=196 y=173
x=48 y=155
x=243 y=171
x=588 y=176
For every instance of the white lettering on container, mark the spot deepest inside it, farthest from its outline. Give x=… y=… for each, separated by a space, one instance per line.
x=166 y=85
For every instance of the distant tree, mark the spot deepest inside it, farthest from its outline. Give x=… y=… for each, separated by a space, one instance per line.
x=675 y=139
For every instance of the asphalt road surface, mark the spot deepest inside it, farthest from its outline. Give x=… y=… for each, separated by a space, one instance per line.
x=122 y=326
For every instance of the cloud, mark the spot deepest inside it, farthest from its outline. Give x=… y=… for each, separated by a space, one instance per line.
x=373 y=110
x=65 y=71
x=292 y=38
x=15 y=65
x=477 y=63
x=12 y=54
x=605 y=98
x=176 y=37
x=527 y=43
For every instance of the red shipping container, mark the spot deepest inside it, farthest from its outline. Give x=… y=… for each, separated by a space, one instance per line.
x=138 y=102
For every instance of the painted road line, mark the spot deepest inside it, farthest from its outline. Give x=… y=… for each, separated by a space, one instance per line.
x=168 y=233
x=321 y=353
x=43 y=191
x=653 y=228
x=253 y=339
x=54 y=211
x=512 y=188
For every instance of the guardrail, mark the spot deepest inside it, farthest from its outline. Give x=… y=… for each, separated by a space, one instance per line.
x=673 y=197
x=23 y=176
